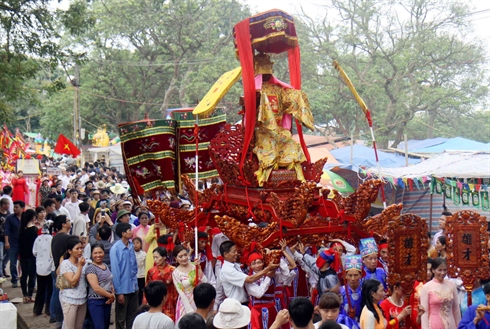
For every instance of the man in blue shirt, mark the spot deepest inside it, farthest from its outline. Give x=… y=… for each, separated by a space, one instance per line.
x=124 y=269
x=12 y=227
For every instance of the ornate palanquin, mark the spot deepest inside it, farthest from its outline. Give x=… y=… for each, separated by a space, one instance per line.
x=466 y=245
x=148 y=149
x=284 y=205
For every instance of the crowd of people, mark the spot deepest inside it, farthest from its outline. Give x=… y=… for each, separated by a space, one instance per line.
x=89 y=249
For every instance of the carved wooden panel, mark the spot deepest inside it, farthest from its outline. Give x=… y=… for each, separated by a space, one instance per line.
x=467 y=251
x=408 y=251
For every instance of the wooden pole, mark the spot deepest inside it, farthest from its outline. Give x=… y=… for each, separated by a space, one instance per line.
x=406 y=149
x=351 y=148
x=430 y=214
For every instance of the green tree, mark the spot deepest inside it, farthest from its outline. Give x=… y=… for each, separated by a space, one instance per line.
x=28 y=44
x=405 y=58
x=148 y=56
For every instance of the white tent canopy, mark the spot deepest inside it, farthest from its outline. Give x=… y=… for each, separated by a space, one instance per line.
x=112 y=153
x=114 y=148
x=448 y=164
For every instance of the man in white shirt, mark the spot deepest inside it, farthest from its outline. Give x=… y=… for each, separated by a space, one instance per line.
x=72 y=205
x=59 y=209
x=7 y=194
x=442 y=226
x=65 y=178
x=85 y=177
x=80 y=223
x=231 y=276
x=155 y=293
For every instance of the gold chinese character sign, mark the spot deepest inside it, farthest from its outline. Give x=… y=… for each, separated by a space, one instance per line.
x=467 y=253
x=408 y=251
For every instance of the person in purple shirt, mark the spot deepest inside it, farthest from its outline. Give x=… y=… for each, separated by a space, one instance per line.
x=124 y=270
x=11 y=233
x=474 y=319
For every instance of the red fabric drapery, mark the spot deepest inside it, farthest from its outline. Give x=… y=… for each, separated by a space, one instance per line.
x=242 y=31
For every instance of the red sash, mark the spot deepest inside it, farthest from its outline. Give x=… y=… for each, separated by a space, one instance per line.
x=257 y=320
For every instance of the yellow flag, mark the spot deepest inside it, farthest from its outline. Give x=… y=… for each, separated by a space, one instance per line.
x=216 y=93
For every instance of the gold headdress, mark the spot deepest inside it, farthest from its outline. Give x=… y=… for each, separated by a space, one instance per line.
x=263 y=64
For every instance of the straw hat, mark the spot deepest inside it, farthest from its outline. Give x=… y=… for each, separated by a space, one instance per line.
x=118 y=189
x=100 y=185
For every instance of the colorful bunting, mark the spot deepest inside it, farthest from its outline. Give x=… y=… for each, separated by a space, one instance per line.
x=465 y=197
x=475 y=199
x=484 y=200
x=447 y=191
x=461 y=193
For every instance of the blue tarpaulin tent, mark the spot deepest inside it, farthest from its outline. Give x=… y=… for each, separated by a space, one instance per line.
x=414 y=144
x=454 y=144
x=364 y=156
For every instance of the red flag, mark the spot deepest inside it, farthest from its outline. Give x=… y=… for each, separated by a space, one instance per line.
x=65 y=146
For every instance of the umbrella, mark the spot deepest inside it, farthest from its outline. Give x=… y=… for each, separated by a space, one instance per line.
x=332 y=180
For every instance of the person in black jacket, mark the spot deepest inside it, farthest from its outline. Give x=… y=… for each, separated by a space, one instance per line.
x=28 y=234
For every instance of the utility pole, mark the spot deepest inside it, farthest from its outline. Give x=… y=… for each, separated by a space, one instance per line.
x=76 y=107
x=75 y=81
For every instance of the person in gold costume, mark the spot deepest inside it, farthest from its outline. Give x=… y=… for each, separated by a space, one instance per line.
x=279 y=102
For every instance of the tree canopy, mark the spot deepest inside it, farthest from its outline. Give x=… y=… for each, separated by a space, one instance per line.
x=413 y=63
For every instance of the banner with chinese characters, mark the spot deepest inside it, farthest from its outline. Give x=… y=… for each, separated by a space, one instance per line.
x=467 y=251
x=408 y=251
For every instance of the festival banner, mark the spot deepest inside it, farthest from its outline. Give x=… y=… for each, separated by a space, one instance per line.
x=465 y=197
x=439 y=186
x=148 y=148
x=456 y=196
x=485 y=205
x=475 y=199
x=447 y=189
x=208 y=128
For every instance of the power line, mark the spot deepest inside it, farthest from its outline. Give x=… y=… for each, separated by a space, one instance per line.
x=124 y=100
x=168 y=63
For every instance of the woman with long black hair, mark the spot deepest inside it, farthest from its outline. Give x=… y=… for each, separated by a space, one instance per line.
x=371 y=316
x=27 y=236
